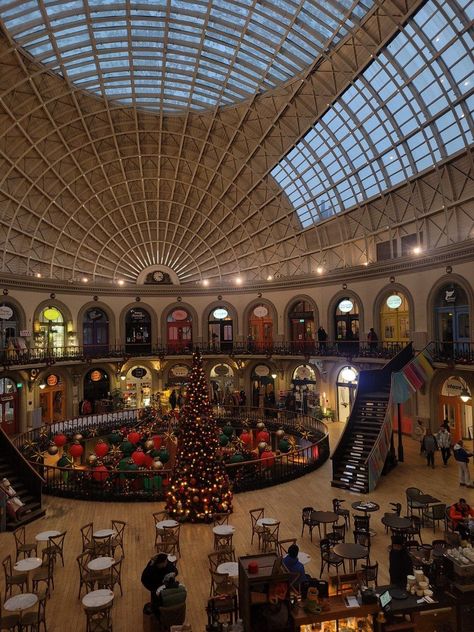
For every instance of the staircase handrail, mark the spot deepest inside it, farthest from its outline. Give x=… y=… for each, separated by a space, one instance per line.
x=376 y=458
x=19 y=462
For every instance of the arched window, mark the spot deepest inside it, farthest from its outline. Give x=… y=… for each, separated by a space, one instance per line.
x=222 y=385
x=304 y=388
x=9 y=326
x=263 y=387
x=346 y=319
x=347 y=380
x=221 y=329
x=137 y=331
x=301 y=317
x=455 y=405
x=452 y=316
x=136 y=388
x=9 y=414
x=180 y=331
x=260 y=336
x=50 y=331
x=95 y=327
x=395 y=318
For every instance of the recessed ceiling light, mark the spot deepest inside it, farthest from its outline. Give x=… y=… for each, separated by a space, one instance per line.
x=269 y=277
x=205 y=282
x=320 y=269
x=416 y=250
x=238 y=280
x=121 y=282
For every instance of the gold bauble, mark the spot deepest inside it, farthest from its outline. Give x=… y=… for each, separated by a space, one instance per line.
x=157 y=464
x=280 y=433
x=78 y=437
x=53 y=449
x=91 y=459
x=262 y=446
x=260 y=425
x=149 y=444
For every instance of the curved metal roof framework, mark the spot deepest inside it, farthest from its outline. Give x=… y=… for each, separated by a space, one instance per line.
x=90 y=188
x=173 y=55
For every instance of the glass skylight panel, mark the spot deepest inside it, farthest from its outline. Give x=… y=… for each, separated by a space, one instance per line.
x=277 y=38
x=407 y=111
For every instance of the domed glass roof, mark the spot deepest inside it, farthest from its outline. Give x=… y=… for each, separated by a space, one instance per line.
x=175 y=55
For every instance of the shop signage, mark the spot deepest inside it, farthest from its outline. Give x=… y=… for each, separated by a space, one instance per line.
x=94 y=314
x=51 y=313
x=452 y=387
x=96 y=376
x=5 y=312
x=346 y=305
x=450 y=296
x=179 y=314
x=260 y=311
x=139 y=372
x=304 y=373
x=7 y=398
x=261 y=370
x=138 y=314
x=25 y=333
x=52 y=380
x=220 y=313
x=221 y=369
x=394 y=301
x=179 y=370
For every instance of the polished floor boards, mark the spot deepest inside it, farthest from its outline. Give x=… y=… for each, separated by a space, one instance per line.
x=64 y=610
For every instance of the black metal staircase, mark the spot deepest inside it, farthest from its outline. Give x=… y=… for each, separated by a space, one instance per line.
x=25 y=481
x=360 y=455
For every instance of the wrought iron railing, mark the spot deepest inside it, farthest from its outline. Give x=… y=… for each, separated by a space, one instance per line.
x=452 y=352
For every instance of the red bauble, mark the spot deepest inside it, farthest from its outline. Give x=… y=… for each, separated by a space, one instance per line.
x=139 y=457
x=134 y=437
x=76 y=450
x=100 y=474
x=268 y=458
x=263 y=435
x=101 y=449
x=60 y=440
x=156 y=441
x=148 y=460
x=246 y=438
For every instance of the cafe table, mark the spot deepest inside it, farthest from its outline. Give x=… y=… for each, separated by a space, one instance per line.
x=28 y=565
x=324 y=517
x=266 y=522
x=351 y=551
x=98 y=598
x=20 y=602
x=230 y=568
x=304 y=558
x=169 y=523
x=396 y=523
x=104 y=533
x=223 y=529
x=45 y=535
x=101 y=563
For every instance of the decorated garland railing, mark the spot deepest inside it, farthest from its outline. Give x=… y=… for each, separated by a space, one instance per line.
x=130 y=453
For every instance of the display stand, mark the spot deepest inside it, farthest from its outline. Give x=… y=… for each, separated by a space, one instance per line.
x=336 y=615
x=264 y=595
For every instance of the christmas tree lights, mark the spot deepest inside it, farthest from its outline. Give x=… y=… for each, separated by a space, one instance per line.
x=199 y=487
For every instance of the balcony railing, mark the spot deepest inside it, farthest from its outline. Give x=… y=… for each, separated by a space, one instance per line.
x=347 y=349
x=452 y=352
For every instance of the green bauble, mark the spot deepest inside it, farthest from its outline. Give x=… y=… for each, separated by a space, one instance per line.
x=164 y=455
x=64 y=461
x=127 y=448
x=284 y=445
x=237 y=458
x=228 y=430
x=115 y=438
x=129 y=466
x=223 y=439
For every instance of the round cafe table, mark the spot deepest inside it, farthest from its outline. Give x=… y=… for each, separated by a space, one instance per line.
x=223 y=529
x=397 y=523
x=231 y=568
x=100 y=563
x=351 y=551
x=166 y=523
x=266 y=522
x=45 y=535
x=325 y=518
x=104 y=533
x=304 y=558
x=365 y=506
x=28 y=565
x=20 y=602
x=98 y=598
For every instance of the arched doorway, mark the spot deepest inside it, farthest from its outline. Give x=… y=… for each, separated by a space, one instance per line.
x=97 y=390
x=50 y=330
x=222 y=385
x=346 y=320
x=260 y=336
x=9 y=413
x=52 y=399
x=95 y=332
x=180 y=331
x=175 y=391
x=221 y=330
x=346 y=384
x=10 y=341
x=301 y=317
x=395 y=318
x=137 y=331
x=136 y=387
x=304 y=388
x=452 y=326
x=263 y=387
x=455 y=404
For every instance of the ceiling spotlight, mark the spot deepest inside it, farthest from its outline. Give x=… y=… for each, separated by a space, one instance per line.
x=269 y=277
x=238 y=280
x=121 y=282
x=416 y=250
x=38 y=275
x=320 y=269
x=205 y=282
x=85 y=279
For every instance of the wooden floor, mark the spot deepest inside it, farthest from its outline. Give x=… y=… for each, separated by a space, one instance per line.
x=64 y=611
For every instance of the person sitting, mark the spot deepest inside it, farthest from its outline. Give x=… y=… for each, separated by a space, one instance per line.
x=171 y=593
x=459 y=514
x=153 y=577
x=295 y=567
x=15 y=506
x=400 y=562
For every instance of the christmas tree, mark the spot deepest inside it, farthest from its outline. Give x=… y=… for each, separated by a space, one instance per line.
x=199 y=487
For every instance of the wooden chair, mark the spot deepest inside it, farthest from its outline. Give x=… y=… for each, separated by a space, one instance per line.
x=99 y=619
x=31 y=620
x=412 y=505
x=284 y=545
x=361 y=523
x=86 y=534
x=8 y=621
x=329 y=558
x=220 y=519
x=86 y=577
x=19 y=580
x=22 y=546
x=113 y=577
x=257 y=530
x=222 y=541
x=368 y=573
x=338 y=533
x=170 y=536
x=270 y=537
x=306 y=521
x=103 y=546
x=226 y=554
x=363 y=538
x=344 y=513
x=435 y=514
x=415 y=530
x=223 y=585
x=117 y=540
x=56 y=546
x=171 y=615
x=158 y=516
x=45 y=574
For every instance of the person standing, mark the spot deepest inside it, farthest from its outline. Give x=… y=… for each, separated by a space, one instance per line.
x=373 y=339
x=322 y=337
x=462 y=456
x=153 y=577
x=419 y=433
x=444 y=442
x=429 y=446
x=400 y=564
x=173 y=399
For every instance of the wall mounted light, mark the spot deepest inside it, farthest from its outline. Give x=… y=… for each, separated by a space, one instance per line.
x=465 y=396
x=42 y=385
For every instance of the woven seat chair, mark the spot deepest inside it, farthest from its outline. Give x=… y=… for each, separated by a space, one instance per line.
x=99 y=619
x=344 y=513
x=8 y=621
x=435 y=514
x=24 y=548
x=11 y=580
x=412 y=505
x=257 y=530
x=32 y=620
x=86 y=535
x=329 y=558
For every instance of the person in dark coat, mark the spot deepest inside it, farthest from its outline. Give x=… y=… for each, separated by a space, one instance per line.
x=322 y=337
x=400 y=562
x=153 y=575
x=173 y=400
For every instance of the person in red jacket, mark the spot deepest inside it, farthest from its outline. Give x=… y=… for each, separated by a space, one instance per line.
x=460 y=513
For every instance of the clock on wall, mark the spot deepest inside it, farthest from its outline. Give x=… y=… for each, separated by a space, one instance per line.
x=158 y=276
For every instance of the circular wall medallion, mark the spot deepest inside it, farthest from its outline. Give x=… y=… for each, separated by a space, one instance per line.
x=219 y=314
x=179 y=314
x=394 y=301
x=158 y=276
x=51 y=313
x=139 y=372
x=261 y=370
x=5 y=312
x=346 y=305
x=52 y=380
x=260 y=311
x=96 y=376
x=348 y=374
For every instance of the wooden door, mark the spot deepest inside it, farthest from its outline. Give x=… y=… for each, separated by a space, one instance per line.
x=9 y=413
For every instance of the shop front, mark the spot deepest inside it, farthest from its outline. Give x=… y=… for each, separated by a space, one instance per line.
x=260 y=335
x=97 y=390
x=9 y=406
x=395 y=318
x=50 y=331
x=301 y=323
x=137 y=331
x=221 y=383
x=52 y=399
x=180 y=331
x=452 y=326
x=221 y=330
x=346 y=325
x=95 y=332
x=455 y=405
x=136 y=388
x=263 y=387
x=304 y=388
x=346 y=385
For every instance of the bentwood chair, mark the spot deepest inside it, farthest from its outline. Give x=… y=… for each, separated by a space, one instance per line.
x=170 y=536
x=99 y=619
x=338 y=533
x=117 y=540
x=24 y=548
x=284 y=545
x=19 y=580
x=32 y=620
x=270 y=538
x=257 y=530
x=45 y=574
x=9 y=622
x=86 y=535
x=435 y=514
x=56 y=546
x=86 y=577
x=369 y=573
x=220 y=519
x=306 y=521
x=329 y=558
x=113 y=577
x=158 y=516
x=344 y=513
